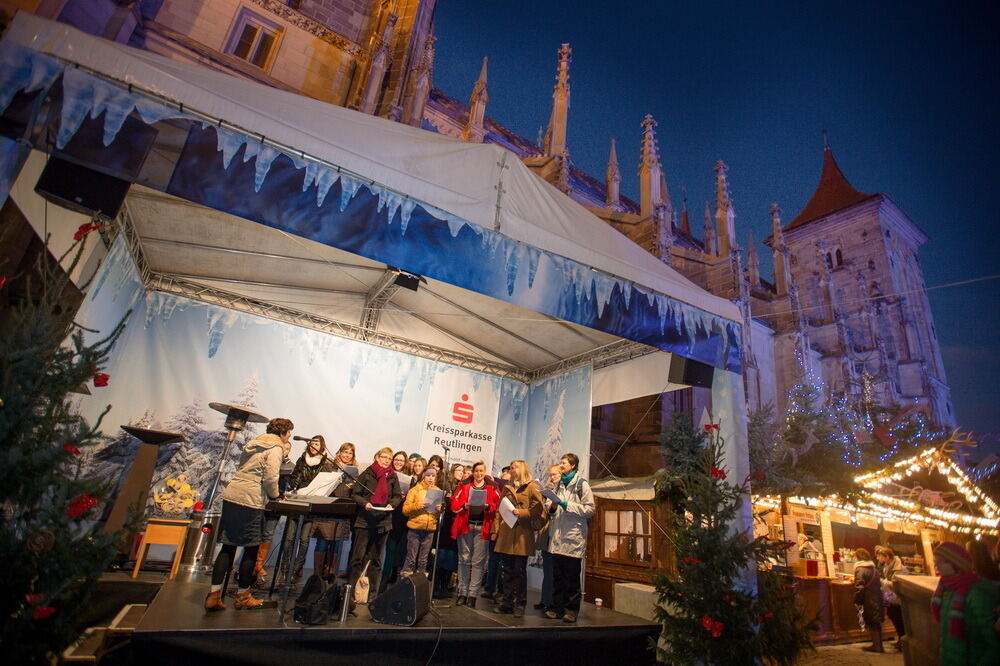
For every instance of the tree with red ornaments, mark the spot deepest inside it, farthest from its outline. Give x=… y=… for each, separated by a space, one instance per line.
x=51 y=546
x=720 y=605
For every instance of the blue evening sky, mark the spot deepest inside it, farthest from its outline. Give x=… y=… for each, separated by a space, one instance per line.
x=907 y=93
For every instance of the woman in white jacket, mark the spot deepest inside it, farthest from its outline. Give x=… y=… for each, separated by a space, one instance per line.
x=568 y=538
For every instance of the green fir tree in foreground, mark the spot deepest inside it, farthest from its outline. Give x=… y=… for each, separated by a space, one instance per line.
x=721 y=605
x=52 y=550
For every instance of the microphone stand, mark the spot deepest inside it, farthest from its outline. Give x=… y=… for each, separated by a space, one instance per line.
x=437 y=536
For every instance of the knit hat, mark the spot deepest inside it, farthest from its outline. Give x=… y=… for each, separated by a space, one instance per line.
x=955 y=554
x=414 y=455
x=430 y=471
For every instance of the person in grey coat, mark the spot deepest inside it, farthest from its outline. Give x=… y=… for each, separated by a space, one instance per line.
x=568 y=519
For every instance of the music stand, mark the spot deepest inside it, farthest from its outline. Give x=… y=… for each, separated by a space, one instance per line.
x=201 y=540
x=135 y=490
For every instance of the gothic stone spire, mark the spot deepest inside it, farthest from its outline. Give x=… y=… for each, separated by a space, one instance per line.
x=556 y=135
x=725 y=216
x=709 y=232
x=613 y=178
x=753 y=263
x=779 y=253
x=649 y=169
x=477 y=107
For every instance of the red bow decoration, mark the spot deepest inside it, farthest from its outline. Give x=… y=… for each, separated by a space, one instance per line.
x=711 y=426
x=769 y=615
x=690 y=560
x=711 y=625
x=3 y=281
x=198 y=506
x=718 y=473
x=33 y=599
x=81 y=505
x=85 y=229
x=101 y=379
x=42 y=612
x=69 y=448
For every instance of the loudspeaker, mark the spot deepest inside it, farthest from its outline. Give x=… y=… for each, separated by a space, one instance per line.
x=81 y=189
x=690 y=373
x=404 y=603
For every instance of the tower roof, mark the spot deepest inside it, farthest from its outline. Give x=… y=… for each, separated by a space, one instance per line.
x=833 y=193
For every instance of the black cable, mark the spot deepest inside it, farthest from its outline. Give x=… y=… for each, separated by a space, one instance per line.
x=440 y=632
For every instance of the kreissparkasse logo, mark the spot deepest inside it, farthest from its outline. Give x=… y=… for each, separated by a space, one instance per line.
x=462 y=411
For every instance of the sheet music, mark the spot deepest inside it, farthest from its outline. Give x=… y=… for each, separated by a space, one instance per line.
x=322 y=484
x=477 y=497
x=404 y=482
x=548 y=493
x=508 y=512
x=350 y=470
x=433 y=497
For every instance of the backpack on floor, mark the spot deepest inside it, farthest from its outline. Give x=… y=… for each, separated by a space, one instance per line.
x=319 y=600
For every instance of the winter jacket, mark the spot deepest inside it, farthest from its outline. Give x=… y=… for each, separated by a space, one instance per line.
x=520 y=539
x=868 y=592
x=256 y=479
x=419 y=517
x=981 y=645
x=304 y=473
x=361 y=493
x=460 y=524
x=568 y=527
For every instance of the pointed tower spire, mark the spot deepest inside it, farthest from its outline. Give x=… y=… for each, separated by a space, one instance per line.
x=779 y=254
x=477 y=107
x=685 y=220
x=725 y=216
x=613 y=178
x=709 y=232
x=556 y=135
x=833 y=192
x=649 y=168
x=753 y=262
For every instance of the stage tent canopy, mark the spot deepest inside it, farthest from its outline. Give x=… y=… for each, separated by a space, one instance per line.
x=284 y=206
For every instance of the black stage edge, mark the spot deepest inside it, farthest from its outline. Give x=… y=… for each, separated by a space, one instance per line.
x=176 y=630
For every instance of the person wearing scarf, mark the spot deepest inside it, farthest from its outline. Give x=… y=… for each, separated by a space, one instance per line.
x=965 y=606
x=375 y=487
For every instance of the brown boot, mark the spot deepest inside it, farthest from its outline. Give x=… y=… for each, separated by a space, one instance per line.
x=246 y=601
x=259 y=572
x=213 y=602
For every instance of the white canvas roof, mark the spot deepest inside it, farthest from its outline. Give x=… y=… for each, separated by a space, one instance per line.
x=458 y=177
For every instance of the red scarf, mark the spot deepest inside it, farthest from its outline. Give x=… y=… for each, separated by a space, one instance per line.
x=960 y=585
x=381 y=495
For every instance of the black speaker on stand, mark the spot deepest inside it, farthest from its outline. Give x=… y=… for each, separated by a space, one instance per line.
x=404 y=602
x=83 y=190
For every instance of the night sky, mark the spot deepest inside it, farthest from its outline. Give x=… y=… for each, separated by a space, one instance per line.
x=907 y=95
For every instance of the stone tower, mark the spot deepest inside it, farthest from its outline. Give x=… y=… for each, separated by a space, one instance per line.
x=852 y=259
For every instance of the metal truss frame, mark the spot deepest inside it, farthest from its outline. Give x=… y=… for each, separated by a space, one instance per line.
x=610 y=354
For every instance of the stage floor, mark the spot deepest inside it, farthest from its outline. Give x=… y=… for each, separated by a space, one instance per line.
x=176 y=627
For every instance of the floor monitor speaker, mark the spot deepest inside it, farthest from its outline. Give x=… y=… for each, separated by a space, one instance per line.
x=81 y=189
x=690 y=373
x=404 y=602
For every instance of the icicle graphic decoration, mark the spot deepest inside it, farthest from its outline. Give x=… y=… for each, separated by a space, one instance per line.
x=533 y=258
x=220 y=320
x=348 y=188
x=229 y=143
x=23 y=69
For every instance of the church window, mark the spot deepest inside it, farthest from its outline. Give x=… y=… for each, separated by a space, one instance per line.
x=840 y=257
x=254 y=39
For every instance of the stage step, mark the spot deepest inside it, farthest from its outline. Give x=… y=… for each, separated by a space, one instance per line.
x=88 y=649
x=127 y=619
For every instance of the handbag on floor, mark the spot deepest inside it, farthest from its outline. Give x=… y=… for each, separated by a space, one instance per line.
x=361 y=587
x=319 y=600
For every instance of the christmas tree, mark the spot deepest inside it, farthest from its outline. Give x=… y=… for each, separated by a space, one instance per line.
x=53 y=552
x=550 y=451
x=721 y=605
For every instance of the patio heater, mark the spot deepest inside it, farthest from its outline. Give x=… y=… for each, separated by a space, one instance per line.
x=200 y=544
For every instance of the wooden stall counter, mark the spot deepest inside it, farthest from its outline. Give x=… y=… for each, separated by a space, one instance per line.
x=920 y=644
x=831 y=602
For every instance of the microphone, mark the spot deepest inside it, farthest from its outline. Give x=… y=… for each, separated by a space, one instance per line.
x=301 y=439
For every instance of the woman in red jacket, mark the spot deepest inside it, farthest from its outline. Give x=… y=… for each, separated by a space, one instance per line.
x=471 y=527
